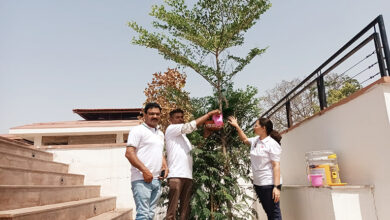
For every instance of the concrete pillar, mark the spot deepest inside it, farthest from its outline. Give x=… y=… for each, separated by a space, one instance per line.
x=119 y=138
x=37 y=141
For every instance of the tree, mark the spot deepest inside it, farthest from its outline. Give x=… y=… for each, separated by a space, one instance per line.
x=210 y=181
x=167 y=89
x=214 y=189
x=340 y=87
x=306 y=104
x=302 y=106
x=207 y=30
x=190 y=36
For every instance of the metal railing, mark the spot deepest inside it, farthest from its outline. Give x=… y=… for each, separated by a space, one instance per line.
x=383 y=61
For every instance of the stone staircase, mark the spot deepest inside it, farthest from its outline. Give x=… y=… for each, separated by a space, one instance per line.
x=34 y=187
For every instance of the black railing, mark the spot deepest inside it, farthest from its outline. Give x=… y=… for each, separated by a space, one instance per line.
x=383 y=61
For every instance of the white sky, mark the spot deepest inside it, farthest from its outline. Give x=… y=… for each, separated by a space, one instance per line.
x=56 y=56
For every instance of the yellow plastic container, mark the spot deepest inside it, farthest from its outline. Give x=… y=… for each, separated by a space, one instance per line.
x=325 y=163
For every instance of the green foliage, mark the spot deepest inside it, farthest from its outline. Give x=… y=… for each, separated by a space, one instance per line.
x=190 y=36
x=337 y=88
x=214 y=186
x=341 y=88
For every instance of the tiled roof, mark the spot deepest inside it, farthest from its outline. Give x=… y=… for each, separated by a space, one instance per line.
x=109 y=114
x=108 y=110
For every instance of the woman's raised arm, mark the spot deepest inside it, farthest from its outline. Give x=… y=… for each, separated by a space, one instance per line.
x=233 y=122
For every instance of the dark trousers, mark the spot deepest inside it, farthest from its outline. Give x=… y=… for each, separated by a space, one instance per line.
x=264 y=193
x=179 y=189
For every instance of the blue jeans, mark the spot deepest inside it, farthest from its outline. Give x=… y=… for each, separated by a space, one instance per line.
x=146 y=196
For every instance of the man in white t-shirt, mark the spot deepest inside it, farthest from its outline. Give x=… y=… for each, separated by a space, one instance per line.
x=180 y=162
x=144 y=151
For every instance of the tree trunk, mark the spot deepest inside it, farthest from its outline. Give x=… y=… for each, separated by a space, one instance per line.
x=226 y=171
x=212 y=203
x=223 y=134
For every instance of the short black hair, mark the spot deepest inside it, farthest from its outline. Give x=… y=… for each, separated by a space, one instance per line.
x=178 y=110
x=151 y=105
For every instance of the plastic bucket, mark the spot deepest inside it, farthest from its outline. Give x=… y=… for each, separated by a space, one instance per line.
x=218 y=120
x=316 y=179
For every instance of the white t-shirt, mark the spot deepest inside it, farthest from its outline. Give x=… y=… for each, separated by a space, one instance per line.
x=178 y=150
x=149 y=145
x=263 y=152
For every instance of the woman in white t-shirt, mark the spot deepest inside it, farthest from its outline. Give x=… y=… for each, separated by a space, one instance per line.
x=265 y=161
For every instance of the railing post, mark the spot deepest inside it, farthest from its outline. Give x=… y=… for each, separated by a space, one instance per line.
x=288 y=114
x=385 y=43
x=321 y=92
x=381 y=43
x=379 y=55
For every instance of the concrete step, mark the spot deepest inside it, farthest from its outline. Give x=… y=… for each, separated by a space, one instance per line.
x=75 y=210
x=117 y=214
x=17 y=176
x=8 y=146
x=16 y=161
x=20 y=196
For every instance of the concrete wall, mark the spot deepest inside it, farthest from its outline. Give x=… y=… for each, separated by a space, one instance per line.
x=328 y=203
x=359 y=132
x=107 y=167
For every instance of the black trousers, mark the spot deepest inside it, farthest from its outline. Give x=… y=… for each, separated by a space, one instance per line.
x=264 y=193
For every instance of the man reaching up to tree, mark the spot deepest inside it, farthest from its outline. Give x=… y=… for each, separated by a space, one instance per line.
x=180 y=161
x=145 y=153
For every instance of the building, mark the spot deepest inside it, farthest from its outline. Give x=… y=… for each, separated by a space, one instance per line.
x=101 y=126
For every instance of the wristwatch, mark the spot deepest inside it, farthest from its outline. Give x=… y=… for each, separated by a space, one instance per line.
x=278 y=187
